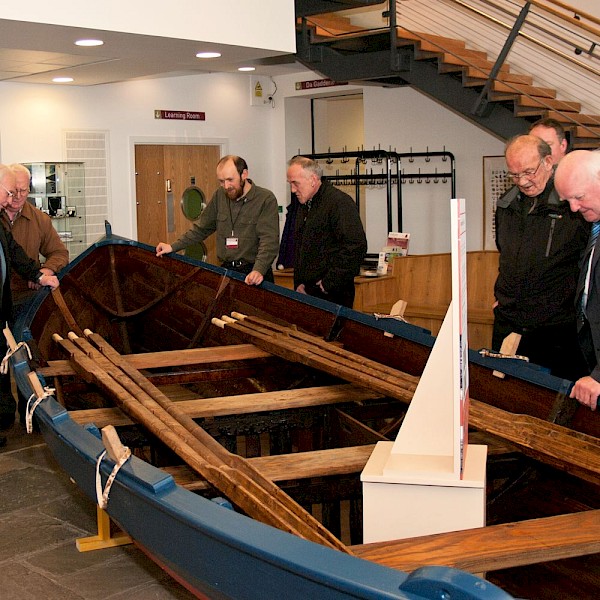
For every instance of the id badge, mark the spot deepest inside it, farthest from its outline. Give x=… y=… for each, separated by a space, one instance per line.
x=231 y=242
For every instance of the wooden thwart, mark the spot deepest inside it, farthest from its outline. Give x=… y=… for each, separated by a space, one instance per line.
x=494 y=547
x=203 y=408
x=173 y=358
x=299 y=465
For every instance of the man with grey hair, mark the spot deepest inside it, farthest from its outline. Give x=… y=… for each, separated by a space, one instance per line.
x=330 y=241
x=34 y=232
x=12 y=256
x=32 y=229
x=540 y=242
x=578 y=182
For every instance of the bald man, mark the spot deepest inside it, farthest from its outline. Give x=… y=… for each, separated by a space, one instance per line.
x=578 y=182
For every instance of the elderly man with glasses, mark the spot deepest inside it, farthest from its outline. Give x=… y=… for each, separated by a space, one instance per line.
x=13 y=258
x=540 y=243
x=33 y=231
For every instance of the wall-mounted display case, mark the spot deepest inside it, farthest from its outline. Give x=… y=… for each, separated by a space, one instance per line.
x=58 y=189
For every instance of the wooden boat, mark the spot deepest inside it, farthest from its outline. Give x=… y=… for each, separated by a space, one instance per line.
x=287 y=407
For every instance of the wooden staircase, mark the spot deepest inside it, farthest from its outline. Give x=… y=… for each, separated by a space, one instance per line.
x=339 y=50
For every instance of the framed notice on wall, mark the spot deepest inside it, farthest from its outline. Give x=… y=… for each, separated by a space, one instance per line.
x=495 y=182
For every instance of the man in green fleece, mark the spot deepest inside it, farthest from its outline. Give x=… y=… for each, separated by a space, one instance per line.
x=246 y=221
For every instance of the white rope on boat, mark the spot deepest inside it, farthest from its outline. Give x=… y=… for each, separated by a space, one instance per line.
x=9 y=353
x=30 y=409
x=102 y=495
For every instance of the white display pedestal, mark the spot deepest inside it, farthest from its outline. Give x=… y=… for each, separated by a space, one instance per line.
x=430 y=480
x=411 y=504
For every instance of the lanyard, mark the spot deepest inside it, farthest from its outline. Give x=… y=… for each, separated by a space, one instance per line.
x=234 y=221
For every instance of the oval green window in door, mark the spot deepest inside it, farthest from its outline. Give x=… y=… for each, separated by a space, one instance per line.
x=193 y=202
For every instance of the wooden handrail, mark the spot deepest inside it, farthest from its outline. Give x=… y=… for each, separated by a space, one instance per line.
x=572 y=9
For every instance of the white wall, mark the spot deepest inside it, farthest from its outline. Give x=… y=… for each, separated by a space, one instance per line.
x=403 y=120
x=267 y=137
x=407 y=120
x=35 y=116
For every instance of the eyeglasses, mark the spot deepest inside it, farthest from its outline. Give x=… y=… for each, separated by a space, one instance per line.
x=22 y=192
x=528 y=174
x=8 y=192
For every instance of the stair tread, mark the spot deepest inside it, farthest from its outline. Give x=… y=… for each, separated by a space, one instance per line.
x=587 y=132
x=479 y=74
x=429 y=37
x=518 y=88
x=575 y=119
x=328 y=24
x=550 y=103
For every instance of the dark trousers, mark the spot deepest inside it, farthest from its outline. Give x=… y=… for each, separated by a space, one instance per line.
x=7 y=402
x=555 y=347
x=246 y=268
x=343 y=296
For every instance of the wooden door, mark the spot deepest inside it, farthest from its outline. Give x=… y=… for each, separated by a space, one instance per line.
x=163 y=173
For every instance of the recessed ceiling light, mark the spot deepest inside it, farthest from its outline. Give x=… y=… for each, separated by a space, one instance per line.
x=89 y=43
x=62 y=79
x=247 y=69
x=208 y=55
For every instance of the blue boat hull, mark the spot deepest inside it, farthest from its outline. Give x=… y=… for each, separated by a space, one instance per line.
x=213 y=550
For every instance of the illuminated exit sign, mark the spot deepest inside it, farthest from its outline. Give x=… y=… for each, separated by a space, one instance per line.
x=182 y=115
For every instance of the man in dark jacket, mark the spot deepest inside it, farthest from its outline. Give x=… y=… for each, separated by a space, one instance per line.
x=540 y=243
x=12 y=256
x=330 y=241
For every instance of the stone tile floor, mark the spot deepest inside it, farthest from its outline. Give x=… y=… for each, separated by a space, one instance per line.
x=42 y=513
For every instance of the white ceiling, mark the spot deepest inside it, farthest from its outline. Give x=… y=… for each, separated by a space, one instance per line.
x=35 y=53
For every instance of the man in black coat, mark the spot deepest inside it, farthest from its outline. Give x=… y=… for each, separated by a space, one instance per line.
x=12 y=256
x=578 y=182
x=540 y=243
x=330 y=241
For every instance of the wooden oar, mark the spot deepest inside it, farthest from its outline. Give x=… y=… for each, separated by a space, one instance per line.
x=293 y=351
x=547 y=442
x=215 y=448
x=316 y=342
x=240 y=488
x=218 y=477
x=320 y=348
x=65 y=312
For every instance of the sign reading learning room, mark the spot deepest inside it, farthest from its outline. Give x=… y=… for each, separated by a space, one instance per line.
x=183 y=115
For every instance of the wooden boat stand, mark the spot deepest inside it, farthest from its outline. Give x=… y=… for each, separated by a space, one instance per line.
x=104 y=538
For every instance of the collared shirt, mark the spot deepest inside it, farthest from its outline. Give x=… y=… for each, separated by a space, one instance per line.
x=253 y=220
